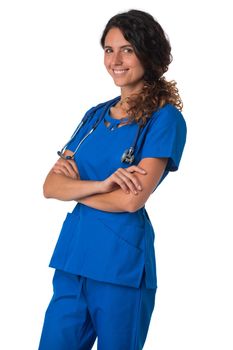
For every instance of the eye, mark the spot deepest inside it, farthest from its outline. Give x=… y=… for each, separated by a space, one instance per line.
x=108 y=50
x=128 y=50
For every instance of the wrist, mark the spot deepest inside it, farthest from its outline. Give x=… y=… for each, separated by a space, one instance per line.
x=99 y=187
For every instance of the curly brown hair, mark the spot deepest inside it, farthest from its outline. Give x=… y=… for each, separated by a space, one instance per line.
x=153 y=49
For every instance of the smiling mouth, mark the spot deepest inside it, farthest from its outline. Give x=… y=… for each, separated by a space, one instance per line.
x=119 y=71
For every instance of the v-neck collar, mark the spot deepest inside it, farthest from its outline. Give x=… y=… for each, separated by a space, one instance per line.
x=114 y=120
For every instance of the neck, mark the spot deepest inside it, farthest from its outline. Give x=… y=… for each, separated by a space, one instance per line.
x=126 y=92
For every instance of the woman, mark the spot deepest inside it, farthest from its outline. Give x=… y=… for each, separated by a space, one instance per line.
x=105 y=278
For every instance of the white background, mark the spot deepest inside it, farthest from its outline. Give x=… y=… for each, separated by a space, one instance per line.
x=51 y=71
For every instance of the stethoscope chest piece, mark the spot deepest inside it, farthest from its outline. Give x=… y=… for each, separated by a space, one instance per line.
x=128 y=156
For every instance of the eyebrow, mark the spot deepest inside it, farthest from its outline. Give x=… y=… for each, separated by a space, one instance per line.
x=121 y=47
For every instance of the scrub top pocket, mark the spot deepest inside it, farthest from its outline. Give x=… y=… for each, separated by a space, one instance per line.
x=95 y=251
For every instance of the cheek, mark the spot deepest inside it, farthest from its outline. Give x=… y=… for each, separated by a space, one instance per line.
x=138 y=66
x=106 y=62
x=141 y=69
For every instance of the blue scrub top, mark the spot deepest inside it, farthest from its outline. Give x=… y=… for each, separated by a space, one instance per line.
x=115 y=247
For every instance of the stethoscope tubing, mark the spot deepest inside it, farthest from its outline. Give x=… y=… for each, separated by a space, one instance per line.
x=128 y=155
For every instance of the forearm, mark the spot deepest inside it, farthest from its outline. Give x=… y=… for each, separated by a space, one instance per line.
x=64 y=188
x=115 y=201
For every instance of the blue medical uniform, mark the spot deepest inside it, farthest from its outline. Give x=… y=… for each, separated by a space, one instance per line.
x=107 y=259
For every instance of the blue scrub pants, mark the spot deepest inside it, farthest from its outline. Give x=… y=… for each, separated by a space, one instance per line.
x=82 y=309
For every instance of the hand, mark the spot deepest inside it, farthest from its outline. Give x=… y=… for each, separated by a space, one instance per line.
x=123 y=178
x=66 y=167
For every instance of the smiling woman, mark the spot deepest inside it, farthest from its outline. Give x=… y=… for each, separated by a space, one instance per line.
x=122 y=63
x=151 y=52
x=105 y=271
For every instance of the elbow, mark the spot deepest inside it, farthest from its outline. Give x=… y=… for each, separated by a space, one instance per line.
x=49 y=187
x=50 y=191
x=134 y=205
x=46 y=191
x=46 y=195
x=134 y=208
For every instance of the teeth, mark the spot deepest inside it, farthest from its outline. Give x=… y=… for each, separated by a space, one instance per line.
x=119 y=71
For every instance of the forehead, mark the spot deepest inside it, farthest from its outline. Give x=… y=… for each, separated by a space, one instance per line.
x=115 y=37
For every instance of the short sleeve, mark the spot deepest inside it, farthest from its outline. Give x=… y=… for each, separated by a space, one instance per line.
x=166 y=136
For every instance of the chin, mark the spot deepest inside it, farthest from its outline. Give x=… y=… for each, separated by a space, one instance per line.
x=120 y=83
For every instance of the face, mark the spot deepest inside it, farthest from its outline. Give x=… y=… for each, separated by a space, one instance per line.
x=122 y=63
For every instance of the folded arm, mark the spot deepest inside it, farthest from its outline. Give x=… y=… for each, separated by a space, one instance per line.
x=63 y=182
x=114 y=194
x=118 y=200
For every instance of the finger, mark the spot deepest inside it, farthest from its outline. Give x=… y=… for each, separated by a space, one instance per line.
x=70 y=169
x=136 y=168
x=64 y=172
x=70 y=165
x=65 y=166
x=118 y=180
x=74 y=166
x=57 y=171
x=60 y=170
x=134 y=180
x=129 y=180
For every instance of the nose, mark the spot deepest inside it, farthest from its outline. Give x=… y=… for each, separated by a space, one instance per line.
x=117 y=58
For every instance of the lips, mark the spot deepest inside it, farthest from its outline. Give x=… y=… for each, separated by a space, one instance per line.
x=119 y=71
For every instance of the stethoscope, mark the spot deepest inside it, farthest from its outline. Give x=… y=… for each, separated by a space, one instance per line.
x=127 y=156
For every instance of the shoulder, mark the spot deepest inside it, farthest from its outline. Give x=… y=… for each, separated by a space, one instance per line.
x=169 y=115
x=168 y=111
